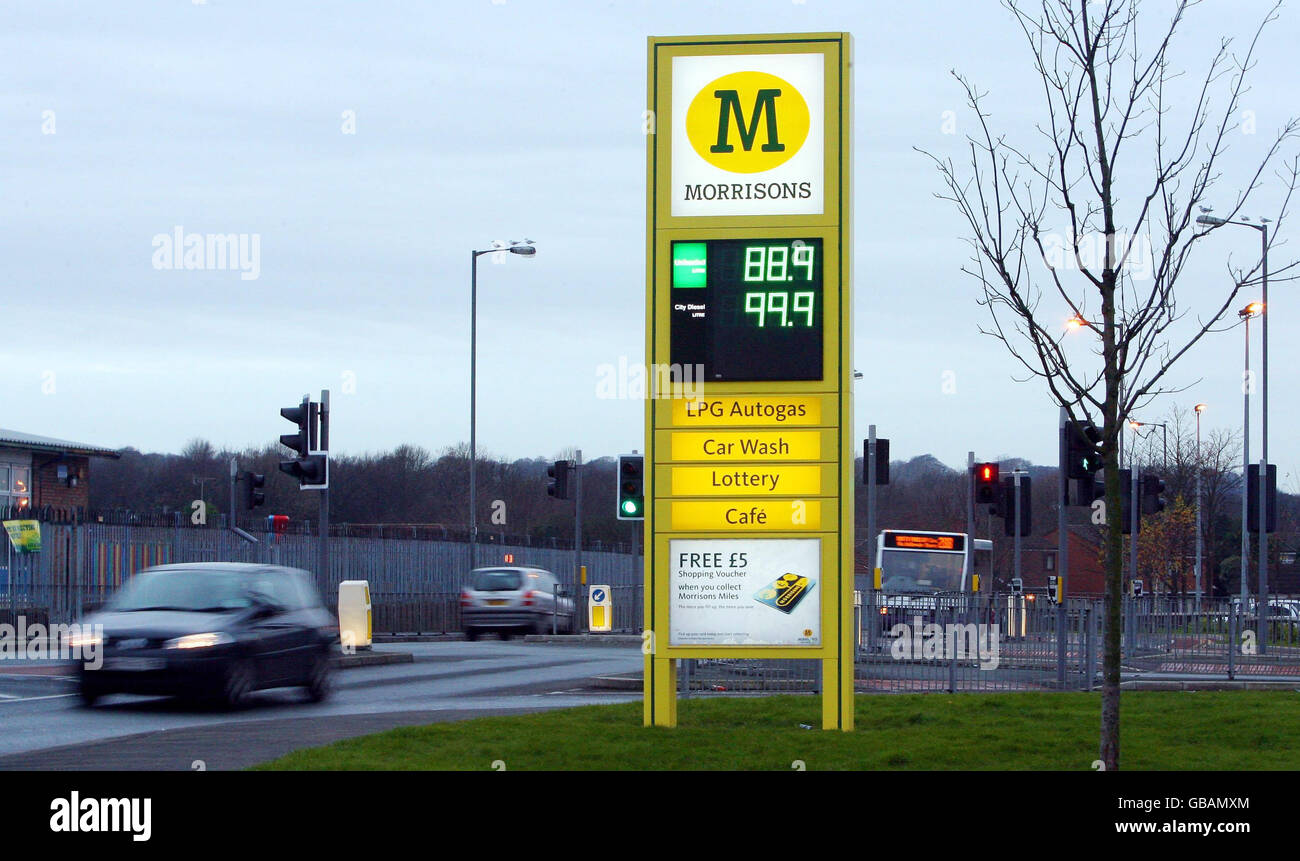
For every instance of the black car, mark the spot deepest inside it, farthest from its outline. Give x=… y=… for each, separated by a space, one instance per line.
x=212 y=630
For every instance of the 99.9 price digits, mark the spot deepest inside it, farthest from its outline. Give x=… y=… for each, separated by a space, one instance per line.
x=792 y=308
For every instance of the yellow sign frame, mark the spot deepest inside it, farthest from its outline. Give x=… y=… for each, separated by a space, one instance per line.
x=834 y=391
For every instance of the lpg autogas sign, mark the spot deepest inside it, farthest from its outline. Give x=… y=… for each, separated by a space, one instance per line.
x=748 y=134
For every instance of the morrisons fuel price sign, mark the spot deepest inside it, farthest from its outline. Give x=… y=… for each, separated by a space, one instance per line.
x=749 y=460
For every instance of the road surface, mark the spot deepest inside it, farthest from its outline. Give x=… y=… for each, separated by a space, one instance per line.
x=45 y=726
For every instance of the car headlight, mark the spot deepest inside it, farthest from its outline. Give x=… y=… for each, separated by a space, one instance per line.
x=199 y=641
x=83 y=640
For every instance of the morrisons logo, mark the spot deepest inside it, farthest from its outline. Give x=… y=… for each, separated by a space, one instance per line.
x=747 y=122
x=765 y=102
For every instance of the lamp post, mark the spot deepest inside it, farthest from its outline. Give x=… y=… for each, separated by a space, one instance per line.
x=1200 y=408
x=1252 y=310
x=526 y=249
x=1262 y=227
x=1164 y=433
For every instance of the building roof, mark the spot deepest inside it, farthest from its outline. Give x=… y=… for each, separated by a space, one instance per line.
x=18 y=439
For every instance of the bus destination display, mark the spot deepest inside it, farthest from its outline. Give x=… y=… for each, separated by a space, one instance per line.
x=925 y=541
x=748 y=309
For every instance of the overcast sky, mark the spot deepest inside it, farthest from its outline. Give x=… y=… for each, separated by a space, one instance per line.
x=477 y=121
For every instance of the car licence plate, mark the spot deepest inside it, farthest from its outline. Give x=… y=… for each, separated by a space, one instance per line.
x=134 y=664
x=496 y=602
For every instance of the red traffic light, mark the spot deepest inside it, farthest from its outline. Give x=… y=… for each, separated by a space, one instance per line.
x=986 y=483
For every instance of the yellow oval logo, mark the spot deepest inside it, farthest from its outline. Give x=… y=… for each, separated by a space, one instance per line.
x=747 y=122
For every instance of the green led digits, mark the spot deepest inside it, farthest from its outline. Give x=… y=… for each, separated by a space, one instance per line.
x=792 y=309
x=778 y=263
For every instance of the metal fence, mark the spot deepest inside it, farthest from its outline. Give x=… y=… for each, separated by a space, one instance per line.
x=1006 y=642
x=986 y=642
x=414 y=584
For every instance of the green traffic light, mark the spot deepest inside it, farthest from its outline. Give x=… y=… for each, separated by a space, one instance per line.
x=631 y=506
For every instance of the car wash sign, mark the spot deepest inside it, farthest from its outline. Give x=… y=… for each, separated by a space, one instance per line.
x=749 y=134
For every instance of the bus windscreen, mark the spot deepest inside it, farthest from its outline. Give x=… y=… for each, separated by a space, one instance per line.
x=920 y=571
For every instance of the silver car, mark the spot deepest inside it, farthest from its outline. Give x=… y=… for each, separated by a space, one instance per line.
x=510 y=599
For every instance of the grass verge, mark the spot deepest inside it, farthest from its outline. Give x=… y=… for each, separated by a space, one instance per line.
x=1175 y=730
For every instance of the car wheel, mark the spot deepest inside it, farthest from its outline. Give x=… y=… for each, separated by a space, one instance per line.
x=320 y=682
x=237 y=685
x=471 y=634
x=89 y=695
x=506 y=633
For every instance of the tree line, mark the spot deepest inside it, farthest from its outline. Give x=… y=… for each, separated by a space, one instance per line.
x=411 y=487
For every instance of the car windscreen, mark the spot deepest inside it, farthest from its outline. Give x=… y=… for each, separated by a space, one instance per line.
x=496 y=580
x=196 y=590
x=920 y=571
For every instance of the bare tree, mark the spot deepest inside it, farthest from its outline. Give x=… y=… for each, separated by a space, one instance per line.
x=1060 y=235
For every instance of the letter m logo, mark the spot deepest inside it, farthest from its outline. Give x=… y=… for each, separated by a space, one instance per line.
x=729 y=106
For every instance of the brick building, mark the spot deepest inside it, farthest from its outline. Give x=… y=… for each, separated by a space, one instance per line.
x=43 y=474
x=1039 y=559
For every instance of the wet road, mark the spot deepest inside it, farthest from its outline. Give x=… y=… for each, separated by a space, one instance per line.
x=45 y=727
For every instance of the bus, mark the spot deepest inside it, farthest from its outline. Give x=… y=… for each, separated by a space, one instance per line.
x=917 y=568
x=928 y=563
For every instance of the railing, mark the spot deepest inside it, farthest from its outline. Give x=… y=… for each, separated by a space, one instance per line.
x=1004 y=642
x=415 y=584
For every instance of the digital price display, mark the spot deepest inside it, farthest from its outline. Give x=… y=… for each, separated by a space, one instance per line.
x=748 y=309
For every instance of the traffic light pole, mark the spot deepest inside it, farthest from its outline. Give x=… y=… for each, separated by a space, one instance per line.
x=234 y=476
x=870 y=467
x=325 y=493
x=1016 y=478
x=578 y=624
x=1134 y=505
x=1063 y=545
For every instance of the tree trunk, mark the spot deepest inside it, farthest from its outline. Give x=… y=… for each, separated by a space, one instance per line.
x=1114 y=557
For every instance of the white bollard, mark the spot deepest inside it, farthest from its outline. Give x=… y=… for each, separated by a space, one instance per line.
x=355 y=616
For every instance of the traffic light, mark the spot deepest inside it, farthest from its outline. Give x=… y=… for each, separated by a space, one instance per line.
x=253 y=494
x=986 y=484
x=558 y=486
x=301 y=416
x=882 y=461
x=1153 y=500
x=1054 y=588
x=311 y=468
x=1126 y=502
x=1082 y=460
x=1017 y=586
x=1137 y=588
x=631 y=487
x=1252 y=498
x=1008 y=507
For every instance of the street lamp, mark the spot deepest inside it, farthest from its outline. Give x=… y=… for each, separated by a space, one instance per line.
x=1262 y=227
x=1164 y=431
x=525 y=249
x=1254 y=309
x=1200 y=408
